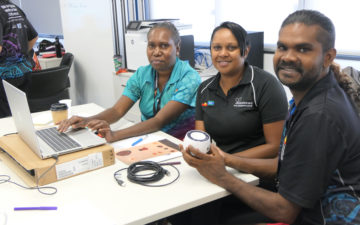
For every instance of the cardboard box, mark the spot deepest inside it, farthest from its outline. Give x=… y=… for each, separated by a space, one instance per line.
x=25 y=163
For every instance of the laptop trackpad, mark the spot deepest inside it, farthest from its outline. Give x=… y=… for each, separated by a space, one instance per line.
x=86 y=138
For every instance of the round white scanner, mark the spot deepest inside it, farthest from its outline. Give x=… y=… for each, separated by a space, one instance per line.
x=198 y=139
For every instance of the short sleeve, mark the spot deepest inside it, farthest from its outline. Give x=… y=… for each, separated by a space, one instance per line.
x=310 y=158
x=133 y=87
x=186 y=89
x=31 y=32
x=273 y=103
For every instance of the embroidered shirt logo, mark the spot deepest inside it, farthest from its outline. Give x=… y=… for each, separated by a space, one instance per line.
x=240 y=103
x=208 y=103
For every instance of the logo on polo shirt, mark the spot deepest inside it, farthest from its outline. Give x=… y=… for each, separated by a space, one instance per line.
x=240 y=103
x=208 y=103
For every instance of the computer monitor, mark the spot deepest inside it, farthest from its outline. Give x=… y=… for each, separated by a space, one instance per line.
x=256 y=54
x=187 y=49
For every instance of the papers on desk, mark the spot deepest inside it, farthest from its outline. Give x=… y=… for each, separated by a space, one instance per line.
x=126 y=143
x=125 y=152
x=45 y=118
x=42 y=119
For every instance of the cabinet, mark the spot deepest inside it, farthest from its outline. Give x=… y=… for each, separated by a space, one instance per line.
x=134 y=114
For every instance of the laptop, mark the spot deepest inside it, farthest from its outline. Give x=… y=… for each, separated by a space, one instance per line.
x=46 y=142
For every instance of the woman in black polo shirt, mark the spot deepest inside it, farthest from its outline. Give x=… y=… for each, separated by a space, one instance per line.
x=243 y=108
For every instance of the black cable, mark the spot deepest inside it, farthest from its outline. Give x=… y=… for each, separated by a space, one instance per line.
x=51 y=190
x=54 y=189
x=156 y=174
x=135 y=168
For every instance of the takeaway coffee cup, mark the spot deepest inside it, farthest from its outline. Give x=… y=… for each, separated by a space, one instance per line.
x=59 y=112
x=68 y=103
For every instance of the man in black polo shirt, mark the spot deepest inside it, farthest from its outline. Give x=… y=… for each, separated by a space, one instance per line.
x=318 y=165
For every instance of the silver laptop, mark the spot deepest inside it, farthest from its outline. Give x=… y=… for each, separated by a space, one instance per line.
x=46 y=142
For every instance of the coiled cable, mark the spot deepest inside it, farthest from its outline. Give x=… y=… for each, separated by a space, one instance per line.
x=157 y=172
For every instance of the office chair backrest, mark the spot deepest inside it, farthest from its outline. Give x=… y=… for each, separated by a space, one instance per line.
x=67 y=59
x=50 y=85
x=48 y=82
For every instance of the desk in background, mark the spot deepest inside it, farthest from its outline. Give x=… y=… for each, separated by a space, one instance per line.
x=96 y=198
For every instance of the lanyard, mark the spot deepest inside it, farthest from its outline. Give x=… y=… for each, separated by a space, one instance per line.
x=292 y=106
x=157 y=102
x=286 y=129
x=283 y=141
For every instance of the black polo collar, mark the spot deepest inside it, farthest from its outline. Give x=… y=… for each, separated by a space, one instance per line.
x=244 y=81
x=324 y=83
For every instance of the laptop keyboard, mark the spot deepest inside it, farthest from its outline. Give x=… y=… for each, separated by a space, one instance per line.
x=57 y=141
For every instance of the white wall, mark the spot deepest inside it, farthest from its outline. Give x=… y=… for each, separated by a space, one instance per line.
x=17 y=2
x=44 y=15
x=87 y=29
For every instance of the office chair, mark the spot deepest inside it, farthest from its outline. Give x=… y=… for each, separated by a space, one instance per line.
x=50 y=85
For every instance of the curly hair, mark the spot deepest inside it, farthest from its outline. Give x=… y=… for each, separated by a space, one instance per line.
x=348 y=79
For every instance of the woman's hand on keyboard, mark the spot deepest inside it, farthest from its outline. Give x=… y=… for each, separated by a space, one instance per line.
x=74 y=122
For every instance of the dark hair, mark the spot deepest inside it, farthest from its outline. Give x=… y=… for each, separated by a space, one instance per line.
x=238 y=31
x=326 y=35
x=171 y=27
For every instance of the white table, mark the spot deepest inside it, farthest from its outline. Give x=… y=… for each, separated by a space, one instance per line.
x=95 y=198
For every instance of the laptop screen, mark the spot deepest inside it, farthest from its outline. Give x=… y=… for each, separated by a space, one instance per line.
x=22 y=117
